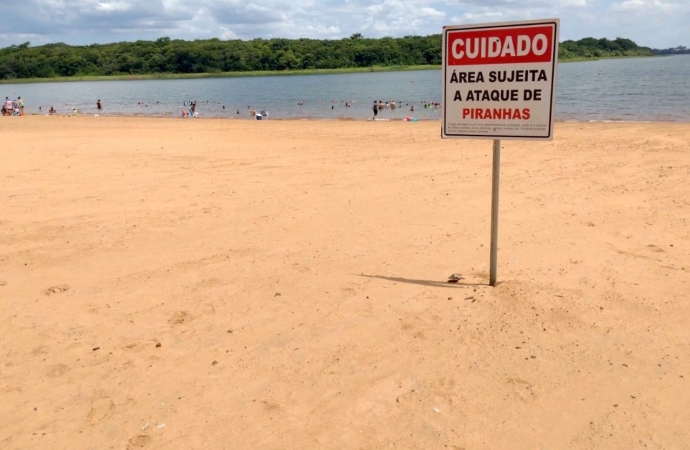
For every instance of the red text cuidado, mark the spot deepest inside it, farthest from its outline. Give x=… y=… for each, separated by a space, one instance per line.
x=500 y=46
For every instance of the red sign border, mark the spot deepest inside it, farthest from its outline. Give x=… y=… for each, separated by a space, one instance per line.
x=554 y=63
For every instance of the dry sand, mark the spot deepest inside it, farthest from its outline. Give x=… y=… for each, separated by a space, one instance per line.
x=294 y=272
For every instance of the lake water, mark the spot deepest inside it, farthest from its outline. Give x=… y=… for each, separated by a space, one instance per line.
x=640 y=89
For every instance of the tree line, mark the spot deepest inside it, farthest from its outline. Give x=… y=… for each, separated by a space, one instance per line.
x=175 y=56
x=680 y=50
x=601 y=48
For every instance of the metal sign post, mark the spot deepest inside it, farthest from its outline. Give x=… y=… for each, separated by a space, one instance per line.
x=494 y=211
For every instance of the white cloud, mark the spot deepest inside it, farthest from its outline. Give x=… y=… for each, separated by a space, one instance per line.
x=113 y=6
x=657 y=23
x=398 y=17
x=645 y=6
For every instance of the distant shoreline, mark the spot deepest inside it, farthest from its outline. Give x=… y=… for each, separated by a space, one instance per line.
x=258 y=73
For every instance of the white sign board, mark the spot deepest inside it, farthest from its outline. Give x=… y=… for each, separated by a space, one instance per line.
x=499 y=80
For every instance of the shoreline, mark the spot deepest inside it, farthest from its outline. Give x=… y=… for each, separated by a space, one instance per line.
x=324 y=119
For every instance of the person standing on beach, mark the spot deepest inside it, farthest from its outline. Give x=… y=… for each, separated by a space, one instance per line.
x=21 y=106
x=7 y=108
x=375 y=108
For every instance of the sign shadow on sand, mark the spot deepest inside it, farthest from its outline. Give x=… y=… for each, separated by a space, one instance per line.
x=431 y=283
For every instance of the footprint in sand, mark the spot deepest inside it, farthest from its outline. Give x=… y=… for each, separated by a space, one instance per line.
x=522 y=390
x=56 y=289
x=179 y=318
x=140 y=441
x=40 y=350
x=57 y=371
x=348 y=291
x=100 y=409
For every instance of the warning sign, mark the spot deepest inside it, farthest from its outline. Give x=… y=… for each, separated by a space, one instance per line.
x=499 y=80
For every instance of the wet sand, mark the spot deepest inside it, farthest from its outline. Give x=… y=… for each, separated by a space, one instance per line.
x=220 y=284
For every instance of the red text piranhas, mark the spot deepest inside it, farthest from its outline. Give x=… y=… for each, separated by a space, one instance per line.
x=500 y=46
x=496 y=113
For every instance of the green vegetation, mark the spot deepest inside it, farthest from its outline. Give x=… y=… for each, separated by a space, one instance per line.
x=591 y=48
x=214 y=56
x=166 y=58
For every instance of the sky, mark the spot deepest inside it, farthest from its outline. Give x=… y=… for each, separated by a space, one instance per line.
x=650 y=23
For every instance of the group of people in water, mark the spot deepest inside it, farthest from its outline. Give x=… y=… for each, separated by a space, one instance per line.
x=380 y=105
x=190 y=109
x=16 y=107
x=53 y=111
x=13 y=107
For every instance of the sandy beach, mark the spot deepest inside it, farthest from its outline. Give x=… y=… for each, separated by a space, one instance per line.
x=238 y=284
